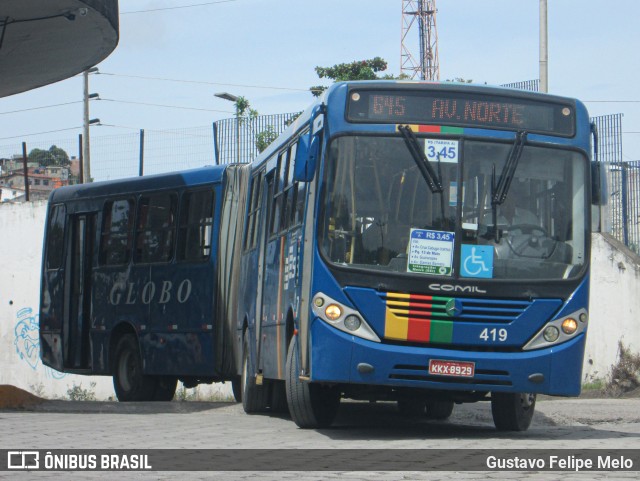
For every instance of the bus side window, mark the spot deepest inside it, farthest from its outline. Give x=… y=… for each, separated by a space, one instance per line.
x=55 y=237
x=156 y=226
x=290 y=189
x=278 y=184
x=196 y=225
x=117 y=235
x=251 y=233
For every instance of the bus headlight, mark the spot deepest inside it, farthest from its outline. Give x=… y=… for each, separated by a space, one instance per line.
x=352 y=322
x=569 y=325
x=559 y=330
x=333 y=312
x=551 y=334
x=342 y=317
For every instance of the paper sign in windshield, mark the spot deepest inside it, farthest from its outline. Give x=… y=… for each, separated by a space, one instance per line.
x=430 y=252
x=441 y=150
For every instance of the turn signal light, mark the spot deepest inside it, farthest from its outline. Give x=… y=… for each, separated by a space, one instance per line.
x=333 y=312
x=569 y=325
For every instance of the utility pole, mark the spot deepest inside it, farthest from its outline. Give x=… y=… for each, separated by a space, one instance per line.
x=86 y=150
x=544 y=51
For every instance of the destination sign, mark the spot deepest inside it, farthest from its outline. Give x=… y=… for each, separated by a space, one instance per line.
x=461 y=109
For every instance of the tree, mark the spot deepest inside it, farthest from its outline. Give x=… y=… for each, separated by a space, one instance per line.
x=55 y=156
x=460 y=80
x=244 y=112
x=246 y=115
x=357 y=70
x=264 y=138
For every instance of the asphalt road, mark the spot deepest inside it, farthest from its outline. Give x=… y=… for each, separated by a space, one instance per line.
x=608 y=424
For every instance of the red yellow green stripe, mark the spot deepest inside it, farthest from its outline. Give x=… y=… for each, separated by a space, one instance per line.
x=417 y=318
x=435 y=129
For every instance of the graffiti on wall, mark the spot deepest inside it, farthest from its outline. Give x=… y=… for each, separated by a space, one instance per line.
x=27 y=341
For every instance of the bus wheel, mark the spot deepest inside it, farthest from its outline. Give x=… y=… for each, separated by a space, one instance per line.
x=279 y=397
x=129 y=381
x=236 y=388
x=311 y=405
x=439 y=410
x=512 y=411
x=165 y=388
x=254 y=397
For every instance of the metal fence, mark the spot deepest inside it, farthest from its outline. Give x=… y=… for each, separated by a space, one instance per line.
x=240 y=141
x=532 y=85
x=622 y=182
x=120 y=155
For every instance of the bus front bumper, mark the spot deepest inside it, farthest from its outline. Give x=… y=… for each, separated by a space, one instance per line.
x=337 y=357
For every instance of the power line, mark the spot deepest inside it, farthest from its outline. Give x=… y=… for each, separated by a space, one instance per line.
x=39 y=108
x=164 y=106
x=163 y=131
x=39 y=133
x=613 y=101
x=202 y=82
x=178 y=7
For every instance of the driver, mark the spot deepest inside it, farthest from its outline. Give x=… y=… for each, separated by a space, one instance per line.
x=510 y=213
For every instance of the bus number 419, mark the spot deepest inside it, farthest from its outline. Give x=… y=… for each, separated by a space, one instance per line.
x=494 y=334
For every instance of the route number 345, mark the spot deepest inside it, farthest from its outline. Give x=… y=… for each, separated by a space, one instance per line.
x=494 y=334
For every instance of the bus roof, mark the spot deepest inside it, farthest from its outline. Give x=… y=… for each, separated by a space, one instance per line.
x=191 y=177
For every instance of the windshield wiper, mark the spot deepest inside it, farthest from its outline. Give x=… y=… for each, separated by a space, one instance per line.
x=430 y=176
x=500 y=190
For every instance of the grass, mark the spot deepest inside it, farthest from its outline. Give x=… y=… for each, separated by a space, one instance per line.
x=625 y=374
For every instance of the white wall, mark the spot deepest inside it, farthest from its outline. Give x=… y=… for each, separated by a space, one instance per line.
x=614 y=309
x=614 y=305
x=21 y=232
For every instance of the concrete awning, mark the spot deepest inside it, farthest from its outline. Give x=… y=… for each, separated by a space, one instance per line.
x=44 y=41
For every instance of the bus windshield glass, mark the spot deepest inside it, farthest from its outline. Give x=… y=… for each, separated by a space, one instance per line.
x=380 y=214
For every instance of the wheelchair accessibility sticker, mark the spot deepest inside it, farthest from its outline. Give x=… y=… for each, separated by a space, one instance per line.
x=476 y=261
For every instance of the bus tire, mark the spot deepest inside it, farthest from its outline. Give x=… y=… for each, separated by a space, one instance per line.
x=236 y=388
x=129 y=381
x=311 y=405
x=512 y=411
x=165 y=388
x=439 y=410
x=254 y=397
x=279 y=397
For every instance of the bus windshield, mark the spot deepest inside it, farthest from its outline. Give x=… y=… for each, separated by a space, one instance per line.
x=380 y=214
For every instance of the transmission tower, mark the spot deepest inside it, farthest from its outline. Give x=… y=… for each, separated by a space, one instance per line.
x=420 y=15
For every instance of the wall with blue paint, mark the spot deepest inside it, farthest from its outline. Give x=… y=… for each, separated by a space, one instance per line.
x=614 y=309
x=21 y=233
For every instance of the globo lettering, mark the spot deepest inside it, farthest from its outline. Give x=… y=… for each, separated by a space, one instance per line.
x=133 y=292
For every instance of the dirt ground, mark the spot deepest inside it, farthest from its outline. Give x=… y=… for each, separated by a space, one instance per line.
x=12 y=397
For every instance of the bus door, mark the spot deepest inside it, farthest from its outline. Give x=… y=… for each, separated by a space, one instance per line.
x=77 y=321
x=261 y=310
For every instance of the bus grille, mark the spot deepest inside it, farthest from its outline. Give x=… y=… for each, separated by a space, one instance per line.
x=417 y=306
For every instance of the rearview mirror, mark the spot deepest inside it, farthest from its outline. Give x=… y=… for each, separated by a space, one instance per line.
x=306 y=158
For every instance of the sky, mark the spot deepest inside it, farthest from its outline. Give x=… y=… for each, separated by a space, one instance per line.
x=266 y=51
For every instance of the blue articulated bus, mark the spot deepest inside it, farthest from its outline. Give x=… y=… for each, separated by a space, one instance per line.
x=421 y=243
x=132 y=283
